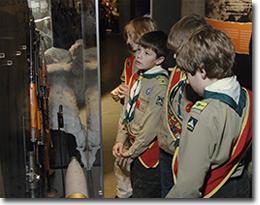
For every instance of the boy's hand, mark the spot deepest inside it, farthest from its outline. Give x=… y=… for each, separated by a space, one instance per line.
x=125 y=159
x=122 y=91
x=119 y=92
x=117 y=149
x=114 y=94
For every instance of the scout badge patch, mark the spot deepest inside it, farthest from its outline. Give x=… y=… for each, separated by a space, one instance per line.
x=159 y=100
x=192 y=123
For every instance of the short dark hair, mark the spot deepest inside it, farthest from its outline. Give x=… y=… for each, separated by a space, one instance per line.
x=156 y=40
x=209 y=49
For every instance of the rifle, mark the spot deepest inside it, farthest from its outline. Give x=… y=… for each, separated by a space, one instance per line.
x=32 y=177
x=40 y=135
x=45 y=89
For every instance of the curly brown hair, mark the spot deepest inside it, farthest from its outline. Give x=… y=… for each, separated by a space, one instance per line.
x=209 y=49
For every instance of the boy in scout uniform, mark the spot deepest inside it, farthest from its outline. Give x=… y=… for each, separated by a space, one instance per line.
x=179 y=99
x=139 y=120
x=216 y=134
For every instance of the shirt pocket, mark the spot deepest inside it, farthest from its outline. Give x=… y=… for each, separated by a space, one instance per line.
x=143 y=103
x=140 y=112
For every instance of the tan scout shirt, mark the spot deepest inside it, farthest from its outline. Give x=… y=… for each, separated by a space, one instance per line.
x=165 y=139
x=205 y=144
x=146 y=117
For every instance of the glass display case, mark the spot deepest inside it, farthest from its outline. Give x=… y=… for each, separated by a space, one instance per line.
x=70 y=44
x=50 y=115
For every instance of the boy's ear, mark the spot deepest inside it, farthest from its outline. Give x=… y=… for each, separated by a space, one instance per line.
x=203 y=73
x=160 y=60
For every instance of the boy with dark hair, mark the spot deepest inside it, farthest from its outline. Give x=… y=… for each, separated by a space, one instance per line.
x=139 y=120
x=218 y=131
x=132 y=33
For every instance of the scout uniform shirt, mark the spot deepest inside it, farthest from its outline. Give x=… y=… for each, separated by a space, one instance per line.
x=180 y=98
x=211 y=135
x=147 y=112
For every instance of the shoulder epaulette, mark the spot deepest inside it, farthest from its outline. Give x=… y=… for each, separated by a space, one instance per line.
x=199 y=105
x=162 y=81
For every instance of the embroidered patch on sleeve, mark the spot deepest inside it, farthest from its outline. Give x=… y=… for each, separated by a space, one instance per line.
x=191 y=124
x=159 y=100
x=128 y=63
x=162 y=81
x=148 y=91
x=199 y=105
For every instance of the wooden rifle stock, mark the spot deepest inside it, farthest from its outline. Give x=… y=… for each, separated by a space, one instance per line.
x=33 y=112
x=32 y=88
